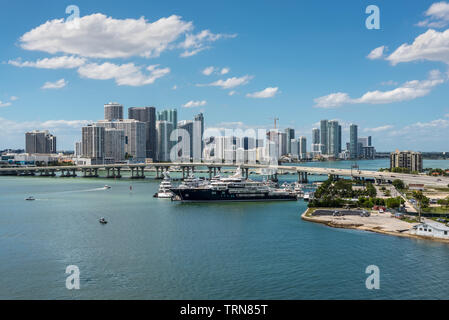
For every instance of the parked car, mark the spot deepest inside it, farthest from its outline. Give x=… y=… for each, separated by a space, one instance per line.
x=337 y=213
x=365 y=214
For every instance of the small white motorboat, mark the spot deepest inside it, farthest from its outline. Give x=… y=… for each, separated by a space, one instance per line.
x=107 y=187
x=30 y=198
x=102 y=221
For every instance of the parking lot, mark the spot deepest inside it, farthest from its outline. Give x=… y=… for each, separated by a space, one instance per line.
x=323 y=212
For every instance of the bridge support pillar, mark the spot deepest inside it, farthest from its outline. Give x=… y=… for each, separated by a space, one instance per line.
x=137 y=173
x=302 y=177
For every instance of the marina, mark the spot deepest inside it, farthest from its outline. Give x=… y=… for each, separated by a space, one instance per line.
x=239 y=242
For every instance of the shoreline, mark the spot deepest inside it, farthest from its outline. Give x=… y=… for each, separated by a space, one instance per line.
x=362 y=227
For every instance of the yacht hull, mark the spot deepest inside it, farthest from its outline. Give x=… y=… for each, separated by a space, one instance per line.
x=207 y=195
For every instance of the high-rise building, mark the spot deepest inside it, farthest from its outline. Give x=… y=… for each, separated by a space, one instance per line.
x=406 y=159
x=333 y=138
x=93 y=142
x=164 y=129
x=185 y=139
x=78 y=149
x=135 y=136
x=296 y=149
x=324 y=136
x=339 y=139
x=114 y=144
x=282 y=144
x=40 y=142
x=364 y=141
x=168 y=115
x=113 y=111
x=303 y=147
x=148 y=116
x=273 y=147
x=198 y=131
x=316 y=145
x=290 y=136
x=353 y=141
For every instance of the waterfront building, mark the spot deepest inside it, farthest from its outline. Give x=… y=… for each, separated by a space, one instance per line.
x=170 y=116
x=339 y=148
x=296 y=149
x=78 y=149
x=185 y=139
x=365 y=141
x=333 y=139
x=353 y=141
x=368 y=152
x=218 y=149
x=324 y=136
x=316 y=145
x=290 y=133
x=272 y=145
x=365 y=149
x=406 y=159
x=114 y=145
x=113 y=111
x=303 y=147
x=148 y=116
x=197 y=140
x=40 y=142
x=93 y=142
x=135 y=136
x=432 y=229
x=164 y=129
x=282 y=144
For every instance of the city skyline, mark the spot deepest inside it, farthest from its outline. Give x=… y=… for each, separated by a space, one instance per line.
x=352 y=75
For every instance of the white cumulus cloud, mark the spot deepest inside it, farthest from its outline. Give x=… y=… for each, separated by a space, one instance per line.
x=125 y=74
x=99 y=36
x=195 y=43
x=377 y=53
x=193 y=103
x=437 y=16
x=63 y=62
x=431 y=45
x=407 y=91
x=208 y=71
x=379 y=129
x=230 y=82
x=5 y=104
x=61 y=83
x=269 y=92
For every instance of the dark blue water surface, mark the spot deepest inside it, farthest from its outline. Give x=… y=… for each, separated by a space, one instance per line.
x=158 y=249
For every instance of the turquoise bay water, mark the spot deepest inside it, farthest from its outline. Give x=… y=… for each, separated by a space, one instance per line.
x=156 y=249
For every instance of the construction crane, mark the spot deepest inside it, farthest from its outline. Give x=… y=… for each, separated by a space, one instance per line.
x=275 y=121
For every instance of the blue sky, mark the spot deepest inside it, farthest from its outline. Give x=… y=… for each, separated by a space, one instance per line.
x=300 y=61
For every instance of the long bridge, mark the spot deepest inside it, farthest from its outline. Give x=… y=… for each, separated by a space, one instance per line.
x=138 y=171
